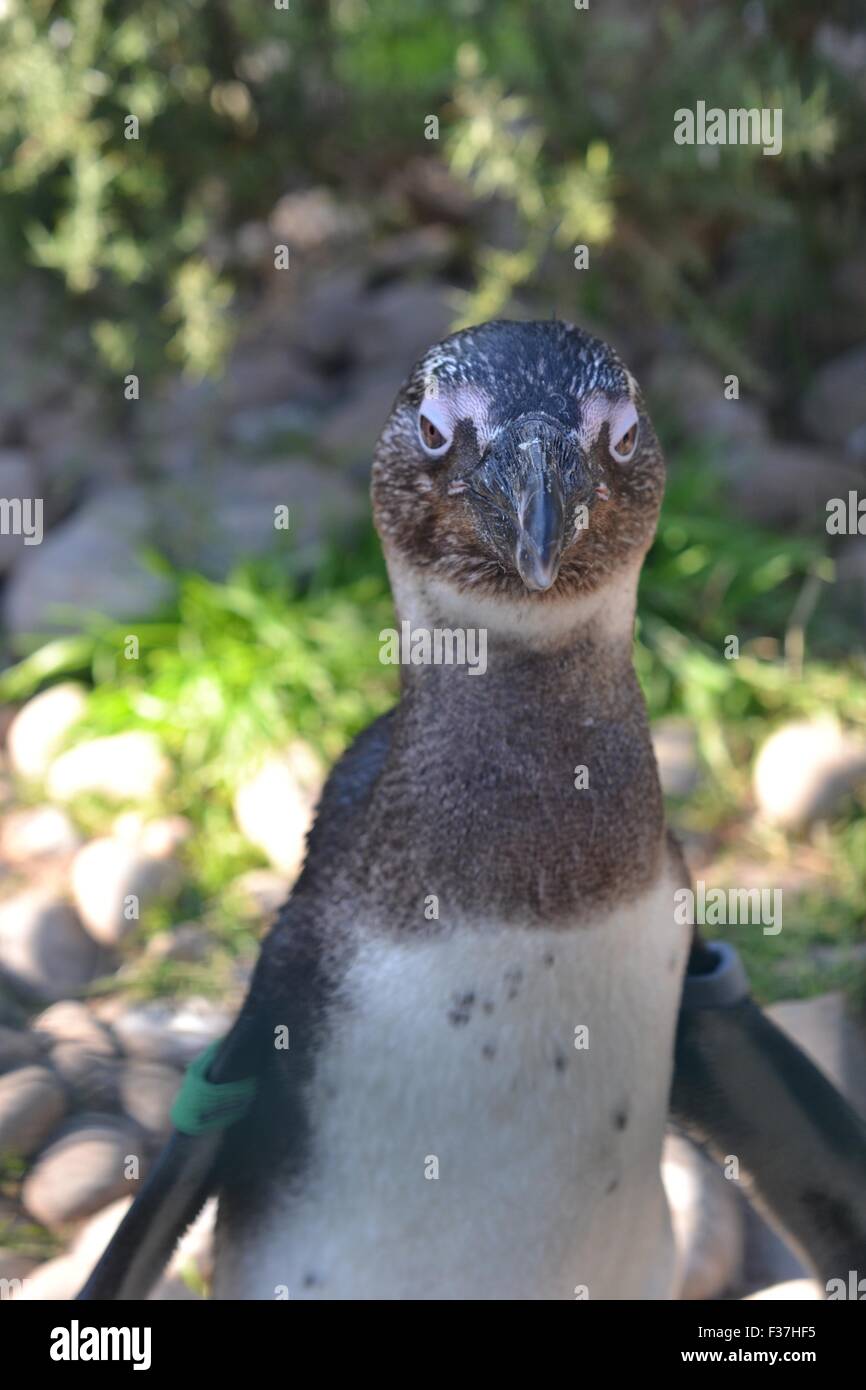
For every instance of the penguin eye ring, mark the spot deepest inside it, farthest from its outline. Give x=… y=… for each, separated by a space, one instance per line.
x=622 y=450
x=433 y=432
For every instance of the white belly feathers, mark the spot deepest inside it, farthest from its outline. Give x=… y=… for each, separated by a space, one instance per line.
x=462 y=1145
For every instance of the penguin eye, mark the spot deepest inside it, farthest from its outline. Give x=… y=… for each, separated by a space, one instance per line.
x=622 y=446
x=433 y=433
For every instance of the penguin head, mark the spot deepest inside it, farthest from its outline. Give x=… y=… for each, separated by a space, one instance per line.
x=518 y=462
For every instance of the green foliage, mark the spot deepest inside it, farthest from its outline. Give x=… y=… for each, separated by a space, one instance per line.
x=567 y=114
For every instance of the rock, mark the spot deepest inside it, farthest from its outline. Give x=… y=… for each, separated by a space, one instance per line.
x=32 y=1104
x=230 y=515
x=146 y=1092
x=310 y=218
x=113 y=885
x=433 y=191
x=676 y=749
x=834 y=1037
x=793 y=1289
x=352 y=429
x=55 y=1280
x=44 y=949
x=262 y=892
x=419 y=250
x=37 y=832
x=82 y=1170
x=805 y=770
x=834 y=407
x=779 y=485
x=39 y=728
x=693 y=392
x=258 y=377
x=263 y=426
x=89 y=1077
x=158 y=1031
x=330 y=317
x=707 y=1219
x=18 y=483
x=18 y=1048
x=88 y=564
x=121 y=767
x=14 y=1269
x=62 y=1278
x=71 y=1021
x=401 y=320
x=274 y=808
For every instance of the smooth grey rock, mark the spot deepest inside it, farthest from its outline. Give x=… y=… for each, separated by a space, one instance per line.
x=19 y=1048
x=833 y=1035
x=72 y=1021
x=352 y=429
x=798 y=1290
x=32 y=1104
x=229 y=514
x=676 y=749
x=274 y=807
x=778 y=485
x=114 y=883
x=57 y=1280
x=82 y=1170
x=40 y=727
x=330 y=315
x=91 y=1078
x=834 y=407
x=146 y=1092
x=121 y=767
x=693 y=392
x=88 y=564
x=171 y=1033
x=805 y=770
x=14 y=1269
x=44 y=950
x=707 y=1219
x=37 y=832
x=401 y=320
x=310 y=218
x=18 y=483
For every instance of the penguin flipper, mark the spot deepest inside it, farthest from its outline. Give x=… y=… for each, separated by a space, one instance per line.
x=187 y=1170
x=174 y=1191
x=743 y=1089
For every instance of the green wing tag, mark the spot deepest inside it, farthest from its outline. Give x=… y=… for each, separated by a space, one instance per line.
x=202 y=1105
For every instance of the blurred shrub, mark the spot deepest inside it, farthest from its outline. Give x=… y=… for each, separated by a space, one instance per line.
x=566 y=113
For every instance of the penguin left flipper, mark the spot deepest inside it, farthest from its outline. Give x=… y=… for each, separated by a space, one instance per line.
x=744 y=1090
x=175 y=1189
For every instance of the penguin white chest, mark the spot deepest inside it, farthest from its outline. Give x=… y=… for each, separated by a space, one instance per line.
x=486 y=1119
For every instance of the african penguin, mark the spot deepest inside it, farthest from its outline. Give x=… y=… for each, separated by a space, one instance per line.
x=480 y=967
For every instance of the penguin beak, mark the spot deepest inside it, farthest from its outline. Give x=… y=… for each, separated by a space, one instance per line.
x=540 y=520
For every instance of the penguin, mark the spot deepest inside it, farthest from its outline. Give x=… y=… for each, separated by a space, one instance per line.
x=466 y=1020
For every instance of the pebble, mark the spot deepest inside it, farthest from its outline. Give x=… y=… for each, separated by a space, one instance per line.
x=82 y=1170
x=121 y=767
x=274 y=808
x=805 y=770
x=37 y=832
x=43 y=947
x=32 y=1104
x=39 y=728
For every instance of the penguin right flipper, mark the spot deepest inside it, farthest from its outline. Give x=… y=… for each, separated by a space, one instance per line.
x=743 y=1089
x=188 y=1168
